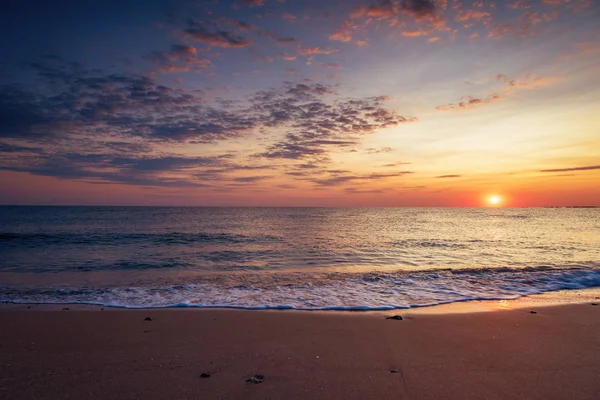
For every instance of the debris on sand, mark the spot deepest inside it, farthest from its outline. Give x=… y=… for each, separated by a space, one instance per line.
x=396 y=317
x=255 y=379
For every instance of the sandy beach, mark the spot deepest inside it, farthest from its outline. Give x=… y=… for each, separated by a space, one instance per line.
x=92 y=353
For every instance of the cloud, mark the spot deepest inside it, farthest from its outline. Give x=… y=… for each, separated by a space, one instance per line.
x=331 y=65
x=416 y=33
x=239 y=25
x=397 y=164
x=586 y=168
x=344 y=32
x=471 y=15
x=180 y=58
x=469 y=102
x=376 y=151
x=337 y=180
x=253 y=3
x=8 y=148
x=288 y=17
x=419 y=9
x=251 y=179
x=104 y=168
x=448 y=176
x=106 y=127
x=287 y=57
x=509 y=88
x=381 y=9
x=307 y=51
x=218 y=38
x=318 y=124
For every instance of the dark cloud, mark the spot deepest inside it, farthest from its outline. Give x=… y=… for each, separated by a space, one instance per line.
x=293 y=151
x=419 y=9
x=8 y=148
x=105 y=127
x=145 y=171
x=101 y=168
x=219 y=38
x=240 y=25
x=448 y=176
x=179 y=59
x=358 y=191
x=252 y=178
x=383 y=9
x=396 y=164
x=586 y=168
x=337 y=180
x=253 y=3
x=287 y=40
x=316 y=122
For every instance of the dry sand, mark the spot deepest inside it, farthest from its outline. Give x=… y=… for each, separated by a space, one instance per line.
x=86 y=353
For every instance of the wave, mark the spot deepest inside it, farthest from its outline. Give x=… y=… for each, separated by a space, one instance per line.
x=44 y=239
x=375 y=291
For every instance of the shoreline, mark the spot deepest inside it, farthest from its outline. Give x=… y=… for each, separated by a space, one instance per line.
x=547 y=299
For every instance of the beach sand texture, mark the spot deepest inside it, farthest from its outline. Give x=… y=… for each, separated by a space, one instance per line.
x=117 y=354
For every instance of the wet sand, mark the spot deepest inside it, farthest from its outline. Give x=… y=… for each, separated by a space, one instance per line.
x=89 y=353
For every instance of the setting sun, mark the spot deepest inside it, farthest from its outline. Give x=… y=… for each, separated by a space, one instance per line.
x=494 y=200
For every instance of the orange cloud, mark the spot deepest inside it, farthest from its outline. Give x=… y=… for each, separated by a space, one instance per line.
x=306 y=51
x=287 y=57
x=331 y=66
x=343 y=33
x=415 y=33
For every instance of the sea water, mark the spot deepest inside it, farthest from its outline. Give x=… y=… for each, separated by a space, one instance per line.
x=299 y=258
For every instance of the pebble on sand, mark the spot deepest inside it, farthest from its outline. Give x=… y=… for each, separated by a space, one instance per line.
x=66 y=308
x=394 y=371
x=204 y=375
x=533 y=312
x=396 y=317
x=147 y=319
x=255 y=379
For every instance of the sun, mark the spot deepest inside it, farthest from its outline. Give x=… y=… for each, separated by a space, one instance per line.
x=494 y=200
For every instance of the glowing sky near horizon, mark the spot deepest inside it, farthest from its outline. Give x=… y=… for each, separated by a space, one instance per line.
x=289 y=102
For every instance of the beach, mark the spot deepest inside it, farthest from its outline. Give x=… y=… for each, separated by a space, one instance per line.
x=84 y=352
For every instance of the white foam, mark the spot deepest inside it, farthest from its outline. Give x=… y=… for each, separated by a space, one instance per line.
x=367 y=293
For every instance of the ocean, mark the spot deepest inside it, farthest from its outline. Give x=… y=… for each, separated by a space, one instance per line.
x=292 y=258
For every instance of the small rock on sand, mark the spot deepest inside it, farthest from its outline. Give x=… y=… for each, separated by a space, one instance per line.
x=256 y=379
x=394 y=371
x=147 y=319
x=66 y=308
x=204 y=375
x=533 y=312
x=396 y=317
x=594 y=304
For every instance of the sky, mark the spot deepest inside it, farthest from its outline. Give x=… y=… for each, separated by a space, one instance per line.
x=300 y=102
